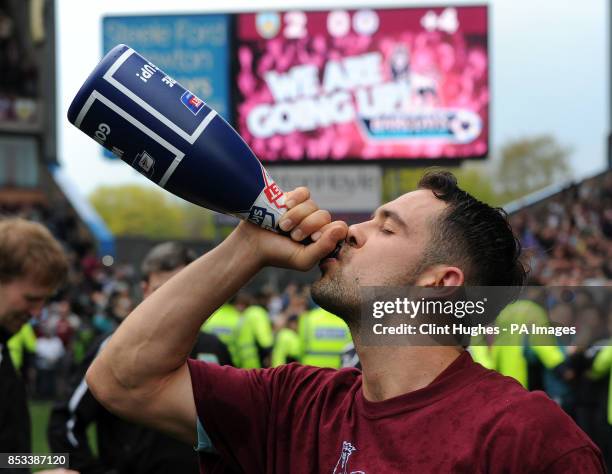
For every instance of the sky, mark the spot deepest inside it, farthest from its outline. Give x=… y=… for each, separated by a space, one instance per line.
x=549 y=72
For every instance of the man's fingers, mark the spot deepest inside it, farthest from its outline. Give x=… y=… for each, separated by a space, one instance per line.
x=317 y=235
x=297 y=196
x=336 y=232
x=294 y=216
x=311 y=254
x=312 y=223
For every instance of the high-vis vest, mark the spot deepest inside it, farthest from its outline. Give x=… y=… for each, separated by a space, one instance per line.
x=481 y=353
x=508 y=350
x=23 y=340
x=254 y=331
x=286 y=347
x=602 y=367
x=323 y=337
x=223 y=323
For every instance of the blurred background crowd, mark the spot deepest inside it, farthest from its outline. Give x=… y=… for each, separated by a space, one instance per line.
x=567 y=238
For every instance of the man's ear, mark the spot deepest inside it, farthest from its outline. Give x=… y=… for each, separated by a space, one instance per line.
x=441 y=275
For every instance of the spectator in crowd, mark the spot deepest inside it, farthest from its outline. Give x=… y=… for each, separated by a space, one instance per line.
x=601 y=369
x=161 y=263
x=569 y=235
x=254 y=337
x=323 y=338
x=32 y=267
x=528 y=359
x=49 y=351
x=123 y=447
x=287 y=345
x=22 y=347
x=224 y=324
x=589 y=385
x=559 y=386
x=63 y=322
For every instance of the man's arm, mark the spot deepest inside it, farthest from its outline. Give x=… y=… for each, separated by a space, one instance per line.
x=142 y=373
x=70 y=418
x=67 y=431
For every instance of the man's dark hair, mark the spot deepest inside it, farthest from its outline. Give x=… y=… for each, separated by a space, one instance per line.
x=472 y=235
x=165 y=258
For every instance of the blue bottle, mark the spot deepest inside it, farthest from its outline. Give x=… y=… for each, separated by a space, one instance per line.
x=165 y=132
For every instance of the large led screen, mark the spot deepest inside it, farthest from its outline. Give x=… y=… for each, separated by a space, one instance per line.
x=193 y=49
x=369 y=84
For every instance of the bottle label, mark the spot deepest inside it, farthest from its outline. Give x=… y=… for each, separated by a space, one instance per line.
x=152 y=89
x=269 y=205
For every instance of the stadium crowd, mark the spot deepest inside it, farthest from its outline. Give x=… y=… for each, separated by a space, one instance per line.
x=567 y=237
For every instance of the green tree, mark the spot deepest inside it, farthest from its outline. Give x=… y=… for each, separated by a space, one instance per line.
x=523 y=166
x=475 y=178
x=529 y=164
x=140 y=211
x=199 y=222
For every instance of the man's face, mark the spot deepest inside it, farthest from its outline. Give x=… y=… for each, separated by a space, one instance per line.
x=157 y=279
x=20 y=299
x=384 y=251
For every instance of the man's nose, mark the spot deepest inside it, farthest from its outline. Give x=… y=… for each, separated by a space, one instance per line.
x=356 y=235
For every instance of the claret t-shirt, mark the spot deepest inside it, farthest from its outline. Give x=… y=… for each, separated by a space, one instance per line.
x=301 y=419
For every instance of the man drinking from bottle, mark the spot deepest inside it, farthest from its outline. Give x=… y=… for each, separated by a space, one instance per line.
x=412 y=409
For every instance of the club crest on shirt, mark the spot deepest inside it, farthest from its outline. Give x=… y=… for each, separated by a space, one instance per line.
x=342 y=466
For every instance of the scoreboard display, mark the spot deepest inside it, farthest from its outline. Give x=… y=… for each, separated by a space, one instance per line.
x=368 y=84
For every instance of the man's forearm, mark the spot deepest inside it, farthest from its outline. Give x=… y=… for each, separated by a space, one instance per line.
x=157 y=337
x=142 y=373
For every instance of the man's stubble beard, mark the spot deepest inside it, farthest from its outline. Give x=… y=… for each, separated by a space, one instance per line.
x=339 y=295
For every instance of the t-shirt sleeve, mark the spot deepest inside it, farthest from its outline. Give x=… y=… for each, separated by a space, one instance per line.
x=233 y=406
x=579 y=461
